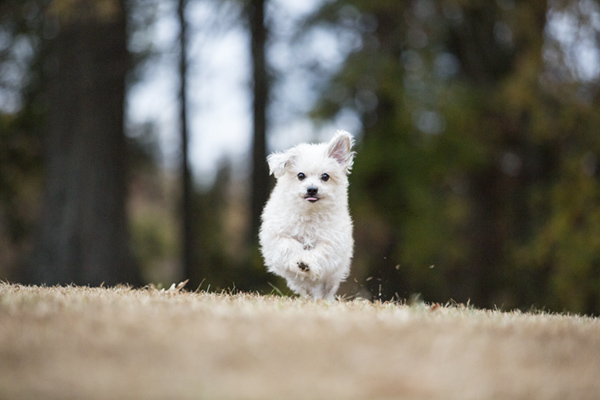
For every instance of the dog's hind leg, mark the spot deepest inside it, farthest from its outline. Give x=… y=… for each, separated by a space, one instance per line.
x=298 y=286
x=330 y=290
x=325 y=290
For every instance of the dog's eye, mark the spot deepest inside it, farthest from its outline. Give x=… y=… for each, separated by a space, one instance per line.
x=325 y=177
x=301 y=176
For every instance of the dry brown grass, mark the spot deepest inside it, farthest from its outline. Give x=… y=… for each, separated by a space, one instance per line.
x=119 y=343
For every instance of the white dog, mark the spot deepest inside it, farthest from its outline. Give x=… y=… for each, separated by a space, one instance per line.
x=306 y=232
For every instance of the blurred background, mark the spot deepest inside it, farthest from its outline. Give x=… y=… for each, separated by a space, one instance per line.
x=133 y=137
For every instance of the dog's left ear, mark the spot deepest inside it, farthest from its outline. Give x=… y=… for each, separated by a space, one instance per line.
x=277 y=163
x=340 y=149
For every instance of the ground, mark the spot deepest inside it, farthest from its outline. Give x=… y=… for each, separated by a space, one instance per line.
x=120 y=343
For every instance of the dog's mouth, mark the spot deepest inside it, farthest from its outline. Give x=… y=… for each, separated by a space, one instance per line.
x=311 y=199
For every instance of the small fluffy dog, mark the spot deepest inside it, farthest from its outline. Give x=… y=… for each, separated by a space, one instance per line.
x=306 y=231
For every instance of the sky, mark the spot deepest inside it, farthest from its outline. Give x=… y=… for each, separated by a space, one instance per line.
x=220 y=100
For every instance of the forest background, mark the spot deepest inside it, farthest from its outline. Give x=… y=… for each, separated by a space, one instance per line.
x=477 y=125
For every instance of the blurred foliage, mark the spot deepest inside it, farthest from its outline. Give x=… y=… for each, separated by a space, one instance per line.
x=225 y=260
x=476 y=177
x=20 y=173
x=21 y=116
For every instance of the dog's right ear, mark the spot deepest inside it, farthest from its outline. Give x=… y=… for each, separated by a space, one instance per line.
x=277 y=163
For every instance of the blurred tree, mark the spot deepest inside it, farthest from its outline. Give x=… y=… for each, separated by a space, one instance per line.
x=83 y=236
x=260 y=91
x=191 y=269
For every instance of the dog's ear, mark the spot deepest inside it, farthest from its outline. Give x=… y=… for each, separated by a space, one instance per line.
x=277 y=163
x=340 y=149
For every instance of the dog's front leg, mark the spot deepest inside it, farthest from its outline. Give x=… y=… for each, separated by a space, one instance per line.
x=321 y=260
x=284 y=256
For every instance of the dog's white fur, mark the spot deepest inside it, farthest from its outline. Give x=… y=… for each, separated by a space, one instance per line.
x=308 y=242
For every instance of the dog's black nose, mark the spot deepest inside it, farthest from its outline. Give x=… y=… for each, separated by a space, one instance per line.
x=312 y=190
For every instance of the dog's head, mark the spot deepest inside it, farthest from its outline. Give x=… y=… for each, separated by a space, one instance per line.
x=315 y=172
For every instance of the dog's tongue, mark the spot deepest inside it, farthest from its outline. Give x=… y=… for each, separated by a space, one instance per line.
x=311 y=199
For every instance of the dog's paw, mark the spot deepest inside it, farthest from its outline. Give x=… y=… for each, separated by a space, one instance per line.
x=303 y=267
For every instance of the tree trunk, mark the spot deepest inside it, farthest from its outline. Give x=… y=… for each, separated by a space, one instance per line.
x=187 y=257
x=83 y=235
x=260 y=182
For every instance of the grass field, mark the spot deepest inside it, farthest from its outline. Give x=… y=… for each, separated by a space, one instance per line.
x=119 y=343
